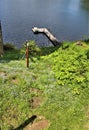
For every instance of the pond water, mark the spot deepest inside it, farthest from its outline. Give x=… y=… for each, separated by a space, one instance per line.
x=66 y=19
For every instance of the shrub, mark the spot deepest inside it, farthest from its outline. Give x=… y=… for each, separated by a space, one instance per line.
x=71 y=66
x=33 y=48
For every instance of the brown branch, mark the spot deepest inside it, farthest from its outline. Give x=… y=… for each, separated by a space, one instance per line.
x=49 y=35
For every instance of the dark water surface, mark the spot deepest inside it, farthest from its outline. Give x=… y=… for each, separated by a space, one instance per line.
x=66 y=19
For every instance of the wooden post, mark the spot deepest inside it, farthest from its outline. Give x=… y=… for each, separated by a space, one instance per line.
x=1 y=41
x=27 y=55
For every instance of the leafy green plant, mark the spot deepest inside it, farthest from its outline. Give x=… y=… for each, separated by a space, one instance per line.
x=71 y=66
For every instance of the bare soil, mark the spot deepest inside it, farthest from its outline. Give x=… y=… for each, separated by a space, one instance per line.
x=38 y=125
x=2 y=74
x=86 y=126
x=36 y=100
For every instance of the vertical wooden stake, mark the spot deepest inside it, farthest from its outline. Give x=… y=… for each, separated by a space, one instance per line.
x=27 y=55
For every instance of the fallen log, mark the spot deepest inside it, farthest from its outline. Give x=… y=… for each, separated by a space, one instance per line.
x=49 y=35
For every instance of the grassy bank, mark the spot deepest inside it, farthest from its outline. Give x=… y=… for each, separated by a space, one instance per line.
x=55 y=88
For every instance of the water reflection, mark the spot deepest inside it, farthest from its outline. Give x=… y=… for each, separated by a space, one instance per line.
x=67 y=19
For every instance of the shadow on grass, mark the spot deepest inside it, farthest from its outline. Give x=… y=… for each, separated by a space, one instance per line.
x=10 y=55
x=14 y=54
x=87 y=40
x=25 y=123
x=48 y=50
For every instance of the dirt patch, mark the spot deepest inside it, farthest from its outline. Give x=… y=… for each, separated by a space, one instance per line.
x=3 y=74
x=86 y=126
x=15 y=80
x=87 y=112
x=37 y=98
x=36 y=101
x=38 y=125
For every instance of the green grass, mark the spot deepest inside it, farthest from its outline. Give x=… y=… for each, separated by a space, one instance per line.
x=59 y=77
